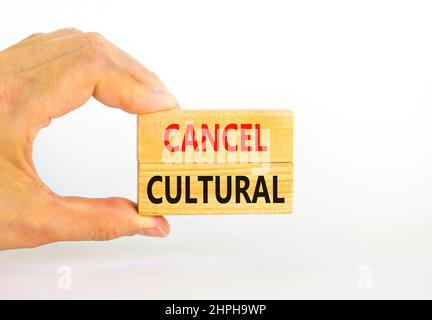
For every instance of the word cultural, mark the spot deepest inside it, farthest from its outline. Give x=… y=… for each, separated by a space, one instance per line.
x=237 y=188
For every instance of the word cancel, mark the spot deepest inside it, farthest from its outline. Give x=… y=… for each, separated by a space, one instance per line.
x=215 y=162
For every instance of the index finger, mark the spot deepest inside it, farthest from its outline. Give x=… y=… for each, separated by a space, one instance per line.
x=66 y=83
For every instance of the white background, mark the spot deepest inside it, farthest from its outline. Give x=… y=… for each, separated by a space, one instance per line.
x=358 y=75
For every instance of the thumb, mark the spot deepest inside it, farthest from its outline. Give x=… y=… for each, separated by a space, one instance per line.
x=104 y=219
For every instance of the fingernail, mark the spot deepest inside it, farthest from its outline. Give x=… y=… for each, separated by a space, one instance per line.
x=166 y=98
x=153 y=232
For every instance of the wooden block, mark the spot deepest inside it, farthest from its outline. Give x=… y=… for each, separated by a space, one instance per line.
x=215 y=162
x=215 y=188
x=275 y=130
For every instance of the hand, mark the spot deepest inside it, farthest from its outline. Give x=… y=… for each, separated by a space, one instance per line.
x=44 y=77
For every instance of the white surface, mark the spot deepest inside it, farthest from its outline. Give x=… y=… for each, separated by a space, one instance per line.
x=358 y=75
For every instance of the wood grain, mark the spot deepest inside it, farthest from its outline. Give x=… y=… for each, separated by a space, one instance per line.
x=151 y=128
x=263 y=160
x=283 y=171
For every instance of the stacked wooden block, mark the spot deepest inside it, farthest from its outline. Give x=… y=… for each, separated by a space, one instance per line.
x=215 y=162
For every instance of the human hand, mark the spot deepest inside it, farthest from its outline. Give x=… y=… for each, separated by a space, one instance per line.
x=44 y=77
